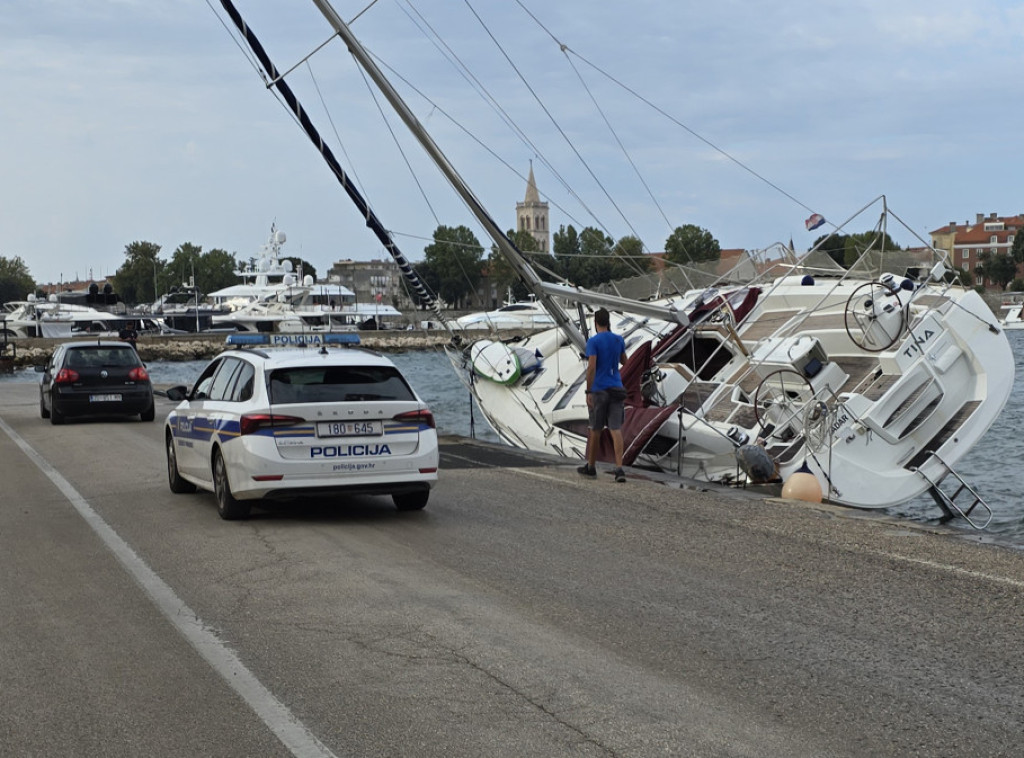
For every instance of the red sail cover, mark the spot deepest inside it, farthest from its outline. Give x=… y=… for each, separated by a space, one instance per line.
x=639 y=425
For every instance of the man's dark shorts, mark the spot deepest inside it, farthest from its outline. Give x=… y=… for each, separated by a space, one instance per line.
x=608 y=408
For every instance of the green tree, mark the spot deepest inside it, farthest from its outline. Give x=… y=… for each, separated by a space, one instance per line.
x=213 y=270
x=135 y=280
x=503 y=277
x=15 y=280
x=999 y=267
x=966 y=277
x=1017 y=251
x=429 y=279
x=565 y=244
x=856 y=244
x=596 y=252
x=629 y=258
x=181 y=269
x=690 y=244
x=455 y=257
x=834 y=245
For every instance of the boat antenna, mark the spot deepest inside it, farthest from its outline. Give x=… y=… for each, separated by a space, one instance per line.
x=372 y=222
x=514 y=256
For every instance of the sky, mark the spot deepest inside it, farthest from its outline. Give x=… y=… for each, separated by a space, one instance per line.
x=144 y=120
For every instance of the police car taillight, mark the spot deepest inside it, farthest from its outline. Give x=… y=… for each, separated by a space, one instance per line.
x=423 y=416
x=251 y=423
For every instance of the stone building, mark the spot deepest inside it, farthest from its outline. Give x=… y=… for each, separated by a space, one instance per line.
x=372 y=281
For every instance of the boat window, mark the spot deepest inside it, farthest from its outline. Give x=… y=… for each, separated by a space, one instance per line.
x=532 y=376
x=563 y=401
x=336 y=384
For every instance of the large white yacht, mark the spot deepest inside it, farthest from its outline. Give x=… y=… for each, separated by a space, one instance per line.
x=34 y=317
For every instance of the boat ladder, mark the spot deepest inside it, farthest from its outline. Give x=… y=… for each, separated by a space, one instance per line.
x=948 y=501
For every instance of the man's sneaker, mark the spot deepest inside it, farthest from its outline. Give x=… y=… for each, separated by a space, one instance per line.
x=586 y=470
x=620 y=475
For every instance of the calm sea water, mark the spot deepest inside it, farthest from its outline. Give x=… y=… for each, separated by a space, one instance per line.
x=993 y=467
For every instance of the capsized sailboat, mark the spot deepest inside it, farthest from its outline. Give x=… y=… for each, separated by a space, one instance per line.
x=877 y=379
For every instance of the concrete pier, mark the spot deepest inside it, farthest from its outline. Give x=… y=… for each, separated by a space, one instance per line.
x=186 y=347
x=526 y=612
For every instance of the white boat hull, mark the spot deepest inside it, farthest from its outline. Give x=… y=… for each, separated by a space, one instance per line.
x=939 y=387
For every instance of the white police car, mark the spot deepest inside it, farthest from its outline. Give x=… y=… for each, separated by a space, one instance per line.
x=289 y=422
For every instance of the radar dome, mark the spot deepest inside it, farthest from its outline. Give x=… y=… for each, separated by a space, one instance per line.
x=307 y=280
x=280 y=237
x=286 y=264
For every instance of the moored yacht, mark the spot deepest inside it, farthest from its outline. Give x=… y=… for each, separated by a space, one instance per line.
x=512 y=315
x=52 y=318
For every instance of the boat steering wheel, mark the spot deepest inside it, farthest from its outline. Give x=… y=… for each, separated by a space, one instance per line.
x=874 y=317
x=777 y=399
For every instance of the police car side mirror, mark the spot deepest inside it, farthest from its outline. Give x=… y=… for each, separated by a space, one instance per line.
x=177 y=393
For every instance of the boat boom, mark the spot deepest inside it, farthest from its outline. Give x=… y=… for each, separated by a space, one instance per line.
x=614 y=302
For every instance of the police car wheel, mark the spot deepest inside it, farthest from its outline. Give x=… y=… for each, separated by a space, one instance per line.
x=228 y=508
x=411 y=501
x=174 y=480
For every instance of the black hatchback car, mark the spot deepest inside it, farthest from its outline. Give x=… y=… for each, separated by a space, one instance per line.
x=102 y=378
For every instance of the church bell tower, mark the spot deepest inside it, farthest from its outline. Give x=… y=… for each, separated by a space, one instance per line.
x=532 y=215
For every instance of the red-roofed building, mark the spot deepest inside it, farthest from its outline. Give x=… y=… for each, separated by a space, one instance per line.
x=988 y=234
x=727 y=259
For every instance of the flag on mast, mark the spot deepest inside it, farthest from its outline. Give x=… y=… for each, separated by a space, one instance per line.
x=814 y=221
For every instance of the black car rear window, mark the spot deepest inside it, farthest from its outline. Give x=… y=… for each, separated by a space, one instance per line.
x=337 y=384
x=98 y=357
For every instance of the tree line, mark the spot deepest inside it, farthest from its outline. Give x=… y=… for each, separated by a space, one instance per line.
x=145 y=275
x=454 y=261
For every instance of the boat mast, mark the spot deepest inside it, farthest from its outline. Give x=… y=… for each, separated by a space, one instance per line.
x=505 y=245
x=372 y=222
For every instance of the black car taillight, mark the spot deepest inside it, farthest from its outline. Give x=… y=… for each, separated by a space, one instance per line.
x=251 y=423
x=138 y=374
x=66 y=376
x=423 y=416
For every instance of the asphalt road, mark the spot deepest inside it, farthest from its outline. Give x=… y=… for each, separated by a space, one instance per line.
x=525 y=612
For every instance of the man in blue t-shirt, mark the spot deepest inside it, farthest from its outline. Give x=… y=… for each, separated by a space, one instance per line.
x=606 y=396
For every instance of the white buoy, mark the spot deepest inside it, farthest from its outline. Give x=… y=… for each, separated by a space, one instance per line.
x=802 y=485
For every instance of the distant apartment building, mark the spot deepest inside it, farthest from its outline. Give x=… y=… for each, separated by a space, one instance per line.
x=966 y=242
x=372 y=282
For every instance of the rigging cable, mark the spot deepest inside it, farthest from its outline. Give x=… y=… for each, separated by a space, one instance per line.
x=299 y=112
x=555 y=123
x=466 y=73
x=566 y=49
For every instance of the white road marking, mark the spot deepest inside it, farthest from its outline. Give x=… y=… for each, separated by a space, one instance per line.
x=271 y=711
